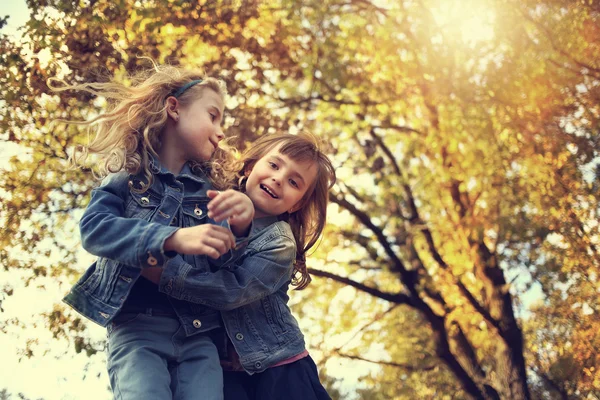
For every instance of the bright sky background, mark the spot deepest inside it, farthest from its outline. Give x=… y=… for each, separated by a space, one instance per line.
x=53 y=377
x=50 y=377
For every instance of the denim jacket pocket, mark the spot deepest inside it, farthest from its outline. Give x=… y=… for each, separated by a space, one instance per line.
x=142 y=205
x=195 y=211
x=93 y=276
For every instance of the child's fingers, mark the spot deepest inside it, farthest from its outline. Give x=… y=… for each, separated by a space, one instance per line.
x=224 y=209
x=212 y=193
x=220 y=198
x=209 y=251
x=216 y=197
x=221 y=233
x=225 y=213
x=219 y=246
x=241 y=214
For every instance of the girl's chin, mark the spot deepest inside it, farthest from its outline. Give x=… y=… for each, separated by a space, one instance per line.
x=261 y=213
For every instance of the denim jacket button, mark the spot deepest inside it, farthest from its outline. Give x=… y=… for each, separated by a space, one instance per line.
x=145 y=200
x=152 y=261
x=257 y=364
x=198 y=211
x=239 y=336
x=197 y=324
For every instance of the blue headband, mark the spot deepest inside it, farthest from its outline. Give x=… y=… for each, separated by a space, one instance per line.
x=185 y=87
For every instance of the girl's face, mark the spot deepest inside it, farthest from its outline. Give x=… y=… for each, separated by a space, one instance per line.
x=195 y=131
x=276 y=183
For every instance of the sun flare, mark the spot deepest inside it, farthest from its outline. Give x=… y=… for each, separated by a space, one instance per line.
x=472 y=19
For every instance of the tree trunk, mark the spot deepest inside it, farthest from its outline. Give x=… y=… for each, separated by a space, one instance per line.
x=511 y=377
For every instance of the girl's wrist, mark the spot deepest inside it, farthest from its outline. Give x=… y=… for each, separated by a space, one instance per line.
x=171 y=242
x=241 y=231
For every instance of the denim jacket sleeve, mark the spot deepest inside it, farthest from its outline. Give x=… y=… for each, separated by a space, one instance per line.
x=264 y=269
x=107 y=232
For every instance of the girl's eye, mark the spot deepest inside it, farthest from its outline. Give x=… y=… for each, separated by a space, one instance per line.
x=293 y=183
x=212 y=117
x=273 y=165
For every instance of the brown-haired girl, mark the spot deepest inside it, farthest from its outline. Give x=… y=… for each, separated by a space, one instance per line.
x=287 y=177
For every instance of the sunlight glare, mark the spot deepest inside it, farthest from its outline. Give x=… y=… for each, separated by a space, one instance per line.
x=473 y=19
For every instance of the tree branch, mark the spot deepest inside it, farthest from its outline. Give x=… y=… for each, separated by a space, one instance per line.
x=397 y=298
x=408 y=367
x=381 y=237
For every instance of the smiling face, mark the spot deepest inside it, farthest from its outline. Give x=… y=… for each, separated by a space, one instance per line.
x=276 y=183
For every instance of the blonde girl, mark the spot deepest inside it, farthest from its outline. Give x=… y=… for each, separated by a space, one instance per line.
x=156 y=145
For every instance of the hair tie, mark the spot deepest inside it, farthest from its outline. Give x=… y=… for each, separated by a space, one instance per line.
x=185 y=87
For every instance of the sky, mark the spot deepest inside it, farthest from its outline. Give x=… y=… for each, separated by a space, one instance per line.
x=18 y=15
x=51 y=377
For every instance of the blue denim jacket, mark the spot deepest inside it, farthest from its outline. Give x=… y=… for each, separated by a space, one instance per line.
x=127 y=231
x=251 y=291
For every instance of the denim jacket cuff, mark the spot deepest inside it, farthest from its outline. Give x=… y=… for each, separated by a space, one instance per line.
x=173 y=277
x=151 y=246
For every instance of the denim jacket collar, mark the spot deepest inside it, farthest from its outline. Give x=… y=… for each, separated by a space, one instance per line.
x=186 y=172
x=258 y=224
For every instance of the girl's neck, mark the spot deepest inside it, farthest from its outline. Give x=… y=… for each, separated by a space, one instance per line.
x=173 y=165
x=258 y=214
x=171 y=158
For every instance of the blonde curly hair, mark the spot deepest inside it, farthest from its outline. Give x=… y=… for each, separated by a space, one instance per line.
x=129 y=133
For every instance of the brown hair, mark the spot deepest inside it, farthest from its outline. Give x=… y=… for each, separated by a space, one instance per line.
x=129 y=132
x=308 y=221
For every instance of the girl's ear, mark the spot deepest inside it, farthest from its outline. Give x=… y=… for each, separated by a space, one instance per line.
x=173 y=108
x=296 y=206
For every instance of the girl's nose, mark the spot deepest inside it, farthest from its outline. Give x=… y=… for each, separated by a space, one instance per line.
x=277 y=180
x=220 y=134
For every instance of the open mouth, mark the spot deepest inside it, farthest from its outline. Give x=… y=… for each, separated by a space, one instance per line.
x=269 y=191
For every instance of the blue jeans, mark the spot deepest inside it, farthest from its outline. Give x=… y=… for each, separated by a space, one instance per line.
x=149 y=357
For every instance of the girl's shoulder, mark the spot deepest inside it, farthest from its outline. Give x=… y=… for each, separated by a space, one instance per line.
x=282 y=228
x=115 y=182
x=274 y=232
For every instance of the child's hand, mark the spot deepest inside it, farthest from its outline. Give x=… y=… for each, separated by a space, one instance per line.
x=234 y=206
x=209 y=239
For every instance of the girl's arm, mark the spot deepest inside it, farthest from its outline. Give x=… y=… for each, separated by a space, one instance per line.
x=105 y=232
x=261 y=273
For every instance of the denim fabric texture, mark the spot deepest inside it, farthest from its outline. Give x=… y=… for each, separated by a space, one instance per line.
x=150 y=357
x=251 y=292
x=127 y=231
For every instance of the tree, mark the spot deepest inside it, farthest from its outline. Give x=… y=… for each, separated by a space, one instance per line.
x=462 y=141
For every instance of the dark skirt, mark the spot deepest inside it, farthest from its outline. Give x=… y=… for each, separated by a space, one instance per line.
x=296 y=381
